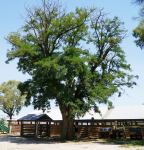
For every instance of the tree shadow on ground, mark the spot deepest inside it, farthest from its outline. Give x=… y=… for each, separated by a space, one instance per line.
x=29 y=140
x=32 y=140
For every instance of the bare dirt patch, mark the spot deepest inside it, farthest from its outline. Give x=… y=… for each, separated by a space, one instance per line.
x=19 y=143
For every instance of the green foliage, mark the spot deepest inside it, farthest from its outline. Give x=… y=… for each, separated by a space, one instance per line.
x=2 y=121
x=10 y=98
x=74 y=58
x=138 y=32
x=3 y=126
x=139 y=1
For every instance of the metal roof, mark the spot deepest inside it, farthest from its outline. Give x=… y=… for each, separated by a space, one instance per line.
x=55 y=114
x=125 y=112
x=119 y=112
x=34 y=117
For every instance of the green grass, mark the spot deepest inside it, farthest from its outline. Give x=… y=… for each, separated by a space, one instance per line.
x=126 y=142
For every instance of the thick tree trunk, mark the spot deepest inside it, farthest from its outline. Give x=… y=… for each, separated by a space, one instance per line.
x=9 y=124
x=67 y=126
x=10 y=117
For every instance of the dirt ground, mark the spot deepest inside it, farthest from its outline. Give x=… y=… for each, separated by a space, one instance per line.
x=19 y=143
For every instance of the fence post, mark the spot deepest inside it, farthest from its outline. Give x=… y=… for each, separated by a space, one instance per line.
x=21 y=128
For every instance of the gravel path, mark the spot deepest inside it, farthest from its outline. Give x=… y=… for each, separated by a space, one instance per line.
x=18 y=143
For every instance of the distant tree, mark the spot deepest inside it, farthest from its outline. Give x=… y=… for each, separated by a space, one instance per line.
x=2 y=121
x=73 y=58
x=10 y=98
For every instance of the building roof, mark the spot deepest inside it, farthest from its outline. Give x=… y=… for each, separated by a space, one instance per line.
x=119 y=112
x=125 y=112
x=35 y=117
x=55 y=114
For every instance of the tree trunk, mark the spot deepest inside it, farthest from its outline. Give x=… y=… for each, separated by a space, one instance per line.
x=67 y=126
x=10 y=117
x=9 y=125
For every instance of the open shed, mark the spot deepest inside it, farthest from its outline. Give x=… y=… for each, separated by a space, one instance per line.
x=120 y=122
x=35 y=125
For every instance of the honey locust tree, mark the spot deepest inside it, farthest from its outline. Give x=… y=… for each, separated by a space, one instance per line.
x=138 y=32
x=10 y=98
x=139 y=1
x=73 y=58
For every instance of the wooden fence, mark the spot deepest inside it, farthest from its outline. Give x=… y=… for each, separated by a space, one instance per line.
x=15 y=127
x=128 y=128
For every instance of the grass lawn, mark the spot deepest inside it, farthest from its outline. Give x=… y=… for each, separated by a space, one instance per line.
x=124 y=142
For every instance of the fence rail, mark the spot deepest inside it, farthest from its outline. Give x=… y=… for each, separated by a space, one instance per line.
x=112 y=128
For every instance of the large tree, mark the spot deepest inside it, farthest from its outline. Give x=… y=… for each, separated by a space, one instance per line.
x=10 y=98
x=73 y=58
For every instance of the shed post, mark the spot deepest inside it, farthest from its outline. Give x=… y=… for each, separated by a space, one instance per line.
x=21 y=128
x=36 y=128
x=48 y=125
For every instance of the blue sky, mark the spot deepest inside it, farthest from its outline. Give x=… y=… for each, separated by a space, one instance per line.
x=12 y=14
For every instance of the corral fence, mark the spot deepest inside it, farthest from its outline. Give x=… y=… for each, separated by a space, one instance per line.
x=104 y=128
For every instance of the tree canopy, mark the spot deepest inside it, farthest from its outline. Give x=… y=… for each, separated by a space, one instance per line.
x=139 y=1
x=10 y=98
x=73 y=58
x=138 y=32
